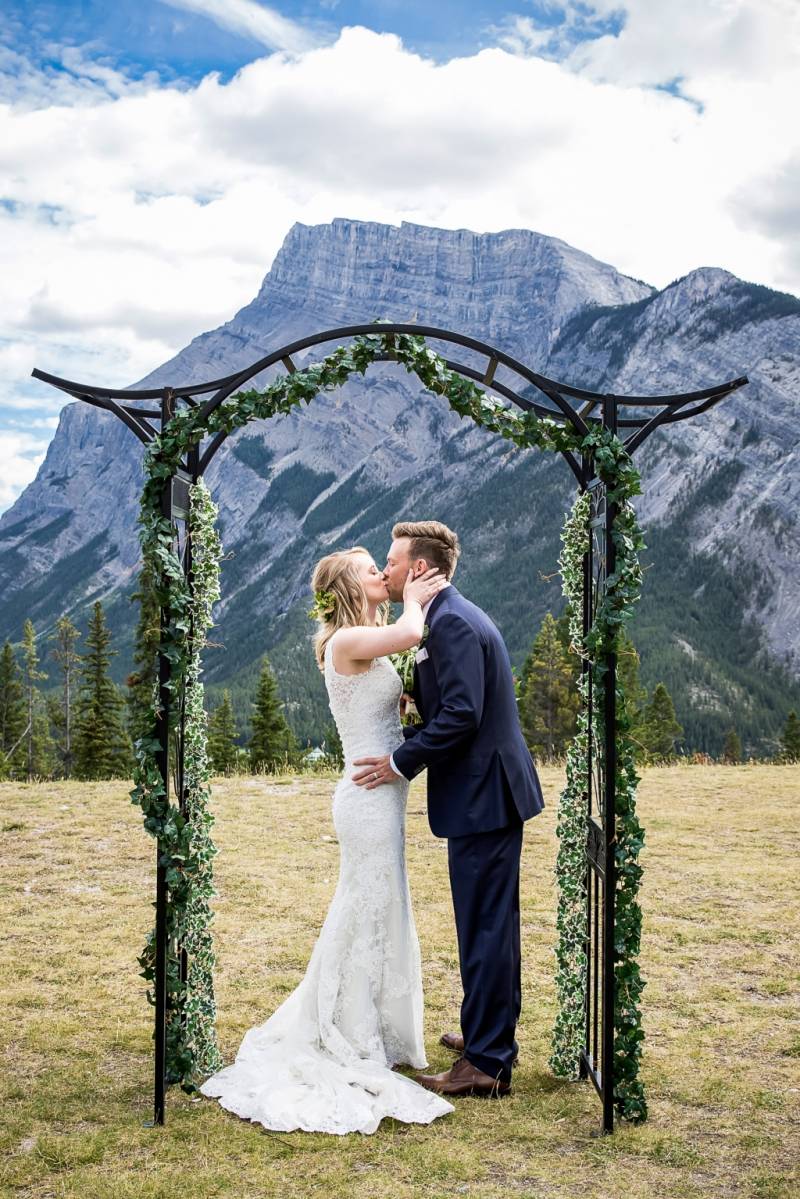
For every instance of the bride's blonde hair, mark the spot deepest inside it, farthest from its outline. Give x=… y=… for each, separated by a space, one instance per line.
x=344 y=602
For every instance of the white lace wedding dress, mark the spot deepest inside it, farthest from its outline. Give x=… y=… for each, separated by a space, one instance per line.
x=322 y=1062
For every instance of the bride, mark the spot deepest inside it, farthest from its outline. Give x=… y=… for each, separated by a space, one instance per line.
x=324 y=1061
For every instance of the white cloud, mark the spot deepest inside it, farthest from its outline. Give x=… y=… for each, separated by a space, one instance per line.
x=558 y=29
x=521 y=35
x=39 y=422
x=20 y=457
x=17 y=360
x=257 y=21
x=770 y=205
x=74 y=78
x=139 y=215
x=734 y=40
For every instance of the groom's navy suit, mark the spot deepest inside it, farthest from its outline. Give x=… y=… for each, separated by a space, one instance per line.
x=482 y=786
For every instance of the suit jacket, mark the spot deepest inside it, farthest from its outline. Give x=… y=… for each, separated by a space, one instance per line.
x=480 y=772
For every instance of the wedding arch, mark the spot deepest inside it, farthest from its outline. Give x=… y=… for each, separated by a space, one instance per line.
x=597 y=1033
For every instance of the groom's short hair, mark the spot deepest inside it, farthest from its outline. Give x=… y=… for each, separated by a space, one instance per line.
x=433 y=541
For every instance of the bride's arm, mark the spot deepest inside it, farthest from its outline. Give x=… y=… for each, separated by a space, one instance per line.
x=362 y=643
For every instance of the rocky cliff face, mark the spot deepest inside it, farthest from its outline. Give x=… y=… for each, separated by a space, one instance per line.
x=732 y=475
x=379 y=450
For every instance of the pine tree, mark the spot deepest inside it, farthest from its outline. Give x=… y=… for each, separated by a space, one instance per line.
x=44 y=755
x=68 y=658
x=141 y=682
x=790 y=739
x=222 y=750
x=659 y=728
x=562 y=628
x=628 y=662
x=13 y=720
x=102 y=747
x=333 y=745
x=732 y=749
x=272 y=742
x=550 y=701
x=37 y=735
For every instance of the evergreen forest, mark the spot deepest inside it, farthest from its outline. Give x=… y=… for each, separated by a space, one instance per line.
x=63 y=716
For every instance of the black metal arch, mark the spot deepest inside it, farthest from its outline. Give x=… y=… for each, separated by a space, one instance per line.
x=567 y=404
x=549 y=399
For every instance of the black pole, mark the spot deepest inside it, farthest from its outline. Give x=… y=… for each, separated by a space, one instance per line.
x=609 y=818
x=193 y=469
x=162 y=733
x=587 y=799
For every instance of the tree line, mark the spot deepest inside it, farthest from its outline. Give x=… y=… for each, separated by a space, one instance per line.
x=548 y=700
x=271 y=744
x=84 y=726
x=77 y=732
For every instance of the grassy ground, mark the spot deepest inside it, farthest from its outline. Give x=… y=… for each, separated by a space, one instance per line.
x=722 y=1061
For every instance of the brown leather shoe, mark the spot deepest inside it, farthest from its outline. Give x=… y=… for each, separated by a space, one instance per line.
x=455 y=1042
x=464 y=1079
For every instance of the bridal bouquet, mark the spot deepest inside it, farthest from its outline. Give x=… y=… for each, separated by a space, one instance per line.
x=403 y=663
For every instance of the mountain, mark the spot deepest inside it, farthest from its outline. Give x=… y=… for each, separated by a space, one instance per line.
x=718 y=622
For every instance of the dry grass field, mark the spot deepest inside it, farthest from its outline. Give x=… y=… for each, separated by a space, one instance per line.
x=720 y=955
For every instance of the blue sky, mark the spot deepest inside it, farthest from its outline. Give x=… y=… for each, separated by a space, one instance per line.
x=154 y=154
x=181 y=43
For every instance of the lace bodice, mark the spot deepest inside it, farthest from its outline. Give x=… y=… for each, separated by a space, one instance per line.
x=365 y=707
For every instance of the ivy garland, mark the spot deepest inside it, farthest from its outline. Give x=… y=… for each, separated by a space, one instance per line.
x=571 y=873
x=187 y=846
x=571 y=914
x=191 y=1046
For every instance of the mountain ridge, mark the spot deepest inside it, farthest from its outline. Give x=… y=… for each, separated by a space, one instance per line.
x=354 y=460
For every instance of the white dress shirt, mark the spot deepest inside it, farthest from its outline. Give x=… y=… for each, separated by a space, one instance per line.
x=424 y=614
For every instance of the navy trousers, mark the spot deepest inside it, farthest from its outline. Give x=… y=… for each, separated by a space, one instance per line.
x=484 y=878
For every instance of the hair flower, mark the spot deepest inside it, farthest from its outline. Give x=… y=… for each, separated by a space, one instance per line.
x=324 y=605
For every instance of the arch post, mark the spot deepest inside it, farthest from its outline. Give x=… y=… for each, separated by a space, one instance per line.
x=609 y=815
x=185 y=484
x=596 y=1060
x=585 y=1069
x=174 y=507
x=162 y=734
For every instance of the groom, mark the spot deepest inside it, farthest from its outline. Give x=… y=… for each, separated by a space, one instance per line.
x=482 y=786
